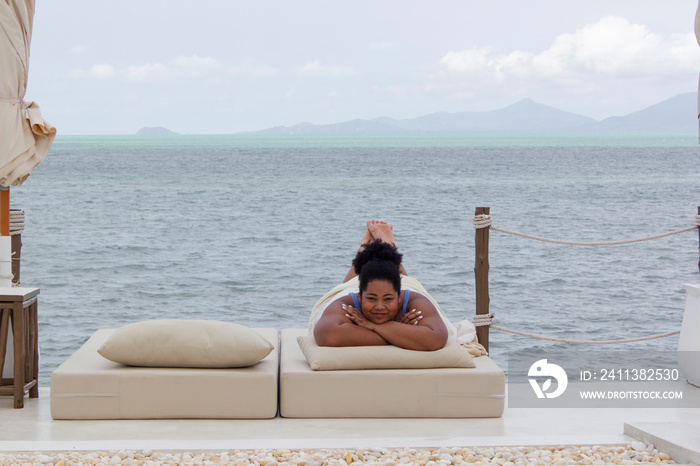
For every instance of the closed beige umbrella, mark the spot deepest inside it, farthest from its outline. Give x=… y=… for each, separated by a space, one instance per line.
x=697 y=36
x=25 y=138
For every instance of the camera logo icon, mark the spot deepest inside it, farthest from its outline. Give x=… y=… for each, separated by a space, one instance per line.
x=541 y=369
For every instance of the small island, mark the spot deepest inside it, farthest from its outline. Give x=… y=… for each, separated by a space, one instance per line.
x=155 y=131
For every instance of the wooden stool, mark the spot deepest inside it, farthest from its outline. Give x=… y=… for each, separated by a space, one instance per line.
x=18 y=308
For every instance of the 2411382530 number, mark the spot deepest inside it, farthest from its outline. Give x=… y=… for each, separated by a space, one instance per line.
x=639 y=375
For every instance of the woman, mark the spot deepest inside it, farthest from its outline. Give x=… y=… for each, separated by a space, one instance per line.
x=381 y=312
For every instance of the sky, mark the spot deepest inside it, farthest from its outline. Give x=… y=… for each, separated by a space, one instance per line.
x=219 y=67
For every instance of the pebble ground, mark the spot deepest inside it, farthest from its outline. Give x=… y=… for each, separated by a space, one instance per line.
x=634 y=453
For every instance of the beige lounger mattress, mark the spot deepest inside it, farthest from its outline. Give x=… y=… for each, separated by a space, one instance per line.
x=88 y=386
x=386 y=393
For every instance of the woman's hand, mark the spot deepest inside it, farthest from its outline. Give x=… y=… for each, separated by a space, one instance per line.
x=411 y=317
x=357 y=317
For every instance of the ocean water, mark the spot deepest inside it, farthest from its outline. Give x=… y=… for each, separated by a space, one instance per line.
x=254 y=230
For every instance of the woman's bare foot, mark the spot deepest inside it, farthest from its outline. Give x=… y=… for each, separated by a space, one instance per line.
x=376 y=230
x=381 y=230
x=368 y=238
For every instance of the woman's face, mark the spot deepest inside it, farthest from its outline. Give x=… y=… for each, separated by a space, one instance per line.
x=379 y=302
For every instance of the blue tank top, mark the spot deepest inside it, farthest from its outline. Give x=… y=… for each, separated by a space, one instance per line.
x=407 y=294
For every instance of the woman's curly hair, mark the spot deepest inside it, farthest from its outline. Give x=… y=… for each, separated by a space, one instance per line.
x=378 y=260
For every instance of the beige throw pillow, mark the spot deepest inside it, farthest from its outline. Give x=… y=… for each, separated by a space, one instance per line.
x=185 y=343
x=325 y=358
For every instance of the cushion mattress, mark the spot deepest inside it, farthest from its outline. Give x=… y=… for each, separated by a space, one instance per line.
x=386 y=393
x=88 y=386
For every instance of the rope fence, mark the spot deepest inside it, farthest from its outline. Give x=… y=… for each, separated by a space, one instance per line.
x=483 y=222
x=486 y=320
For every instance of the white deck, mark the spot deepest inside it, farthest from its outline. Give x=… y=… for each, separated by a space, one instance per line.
x=674 y=431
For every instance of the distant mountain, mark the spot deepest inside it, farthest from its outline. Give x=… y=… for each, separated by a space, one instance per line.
x=524 y=116
x=678 y=114
x=675 y=115
x=154 y=131
x=349 y=127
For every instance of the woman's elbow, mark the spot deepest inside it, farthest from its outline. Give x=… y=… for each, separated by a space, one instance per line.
x=437 y=342
x=327 y=339
x=434 y=346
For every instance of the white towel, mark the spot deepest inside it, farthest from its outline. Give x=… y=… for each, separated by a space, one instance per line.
x=464 y=332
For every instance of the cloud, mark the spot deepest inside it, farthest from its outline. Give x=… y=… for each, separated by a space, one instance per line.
x=316 y=68
x=250 y=69
x=101 y=71
x=612 y=46
x=196 y=62
x=182 y=67
x=471 y=60
x=147 y=72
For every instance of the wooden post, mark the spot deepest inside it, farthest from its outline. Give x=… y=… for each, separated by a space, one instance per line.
x=16 y=257
x=481 y=275
x=4 y=211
